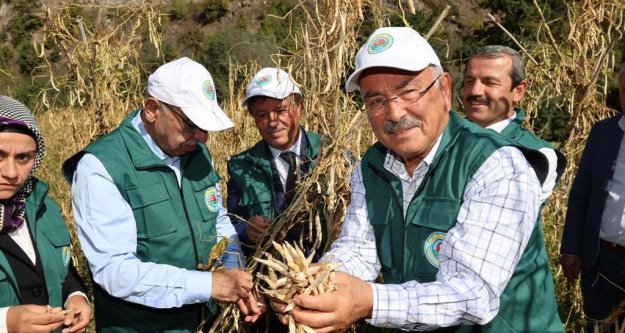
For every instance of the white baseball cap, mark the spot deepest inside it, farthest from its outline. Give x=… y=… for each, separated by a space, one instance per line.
x=188 y=85
x=394 y=47
x=271 y=82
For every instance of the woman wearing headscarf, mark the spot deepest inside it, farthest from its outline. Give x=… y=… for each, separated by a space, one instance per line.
x=37 y=278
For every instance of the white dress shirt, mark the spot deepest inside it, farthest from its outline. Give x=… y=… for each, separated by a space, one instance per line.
x=108 y=236
x=478 y=255
x=613 y=218
x=281 y=165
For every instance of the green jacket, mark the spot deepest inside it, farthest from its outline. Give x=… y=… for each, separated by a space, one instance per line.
x=251 y=179
x=517 y=133
x=254 y=189
x=175 y=225
x=47 y=226
x=408 y=248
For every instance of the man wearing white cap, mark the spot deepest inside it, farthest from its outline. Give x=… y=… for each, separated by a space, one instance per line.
x=443 y=209
x=263 y=178
x=148 y=210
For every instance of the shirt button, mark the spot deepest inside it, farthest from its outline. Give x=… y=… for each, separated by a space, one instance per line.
x=36 y=292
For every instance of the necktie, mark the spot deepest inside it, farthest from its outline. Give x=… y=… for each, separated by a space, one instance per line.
x=289 y=158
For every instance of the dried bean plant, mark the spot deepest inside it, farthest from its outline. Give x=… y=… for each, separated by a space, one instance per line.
x=96 y=80
x=294 y=275
x=570 y=73
x=324 y=51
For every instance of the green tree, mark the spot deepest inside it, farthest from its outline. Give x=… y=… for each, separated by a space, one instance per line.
x=551 y=121
x=24 y=20
x=276 y=23
x=179 y=9
x=236 y=45
x=28 y=59
x=6 y=55
x=214 y=9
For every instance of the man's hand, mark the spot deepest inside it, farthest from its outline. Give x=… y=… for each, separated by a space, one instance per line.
x=571 y=266
x=77 y=319
x=256 y=227
x=33 y=318
x=337 y=310
x=231 y=285
x=252 y=307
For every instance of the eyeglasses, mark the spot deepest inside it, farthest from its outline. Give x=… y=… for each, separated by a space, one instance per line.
x=190 y=127
x=377 y=105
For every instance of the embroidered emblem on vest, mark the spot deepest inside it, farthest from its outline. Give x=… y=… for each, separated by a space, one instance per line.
x=380 y=43
x=210 y=197
x=433 y=246
x=67 y=255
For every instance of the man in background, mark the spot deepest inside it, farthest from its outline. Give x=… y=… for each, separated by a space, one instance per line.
x=263 y=179
x=593 y=241
x=493 y=86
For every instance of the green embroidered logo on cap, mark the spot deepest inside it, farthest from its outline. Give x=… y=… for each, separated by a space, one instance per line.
x=263 y=80
x=432 y=247
x=380 y=43
x=209 y=90
x=210 y=198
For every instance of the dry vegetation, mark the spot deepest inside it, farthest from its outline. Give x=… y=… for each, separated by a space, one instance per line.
x=572 y=72
x=104 y=79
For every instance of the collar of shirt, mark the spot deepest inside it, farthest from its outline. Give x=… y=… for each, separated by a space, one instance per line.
x=499 y=126
x=172 y=161
x=395 y=164
x=621 y=123
x=21 y=236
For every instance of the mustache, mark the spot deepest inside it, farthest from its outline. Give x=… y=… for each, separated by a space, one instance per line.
x=276 y=129
x=191 y=143
x=478 y=99
x=406 y=122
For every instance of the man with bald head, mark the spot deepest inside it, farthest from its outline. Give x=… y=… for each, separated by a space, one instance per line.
x=443 y=209
x=148 y=211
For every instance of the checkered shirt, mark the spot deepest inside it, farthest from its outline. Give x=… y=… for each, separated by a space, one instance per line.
x=478 y=255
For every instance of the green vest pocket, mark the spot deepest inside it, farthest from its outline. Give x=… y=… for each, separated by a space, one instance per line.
x=259 y=201
x=150 y=203
x=426 y=230
x=61 y=243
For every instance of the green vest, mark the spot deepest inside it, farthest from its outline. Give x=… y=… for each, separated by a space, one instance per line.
x=175 y=225
x=408 y=248
x=49 y=231
x=521 y=136
x=251 y=171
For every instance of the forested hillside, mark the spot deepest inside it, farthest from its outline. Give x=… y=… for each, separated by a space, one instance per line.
x=216 y=32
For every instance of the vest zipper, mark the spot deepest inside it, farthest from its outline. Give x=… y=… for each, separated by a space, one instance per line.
x=403 y=217
x=184 y=207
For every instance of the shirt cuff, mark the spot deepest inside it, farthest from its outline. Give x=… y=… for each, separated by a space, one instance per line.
x=75 y=293
x=198 y=286
x=389 y=305
x=3 y=319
